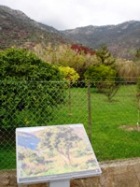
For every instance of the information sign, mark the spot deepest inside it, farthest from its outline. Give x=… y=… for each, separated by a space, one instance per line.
x=53 y=153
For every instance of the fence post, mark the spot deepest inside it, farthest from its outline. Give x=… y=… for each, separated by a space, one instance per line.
x=89 y=112
x=69 y=101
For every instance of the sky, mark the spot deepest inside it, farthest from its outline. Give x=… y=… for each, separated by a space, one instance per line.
x=69 y=14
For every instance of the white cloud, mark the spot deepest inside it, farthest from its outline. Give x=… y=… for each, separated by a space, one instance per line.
x=66 y=14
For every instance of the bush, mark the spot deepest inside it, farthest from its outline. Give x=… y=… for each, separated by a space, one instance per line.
x=30 y=89
x=104 y=78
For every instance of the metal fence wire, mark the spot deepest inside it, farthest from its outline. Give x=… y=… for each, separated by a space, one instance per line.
x=112 y=122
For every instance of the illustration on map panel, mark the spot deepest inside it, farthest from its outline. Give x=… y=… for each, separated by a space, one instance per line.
x=53 y=150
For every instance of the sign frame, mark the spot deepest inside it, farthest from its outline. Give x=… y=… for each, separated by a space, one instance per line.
x=24 y=143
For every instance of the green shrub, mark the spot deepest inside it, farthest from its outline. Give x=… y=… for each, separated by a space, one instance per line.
x=104 y=78
x=30 y=89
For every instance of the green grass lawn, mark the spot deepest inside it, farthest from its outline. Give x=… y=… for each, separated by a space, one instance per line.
x=109 y=141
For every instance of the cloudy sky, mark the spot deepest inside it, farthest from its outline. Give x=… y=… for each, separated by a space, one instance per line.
x=69 y=14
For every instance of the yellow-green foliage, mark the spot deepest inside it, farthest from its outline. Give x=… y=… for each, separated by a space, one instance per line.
x=69 y=73
x=63 y=55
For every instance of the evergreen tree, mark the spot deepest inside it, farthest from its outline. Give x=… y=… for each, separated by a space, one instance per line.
x=105 y=57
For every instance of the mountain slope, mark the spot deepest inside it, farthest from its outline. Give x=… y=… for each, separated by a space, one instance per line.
x=122 y=39
x=18 y=29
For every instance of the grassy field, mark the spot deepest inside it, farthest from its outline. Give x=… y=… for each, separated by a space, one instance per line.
x=109 y=141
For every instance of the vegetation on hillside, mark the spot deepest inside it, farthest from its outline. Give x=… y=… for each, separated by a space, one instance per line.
x=25 y=32
x=122 y=40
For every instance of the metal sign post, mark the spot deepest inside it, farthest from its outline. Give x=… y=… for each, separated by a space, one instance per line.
x=59 y=184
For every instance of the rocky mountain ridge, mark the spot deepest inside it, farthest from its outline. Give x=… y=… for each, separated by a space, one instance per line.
x=17 y=29
x=122 y=39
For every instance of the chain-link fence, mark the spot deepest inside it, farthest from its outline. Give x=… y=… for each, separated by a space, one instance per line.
x=110 y=115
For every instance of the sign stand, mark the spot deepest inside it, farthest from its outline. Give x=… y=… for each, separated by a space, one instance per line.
x=64 y=183
x=59 y=183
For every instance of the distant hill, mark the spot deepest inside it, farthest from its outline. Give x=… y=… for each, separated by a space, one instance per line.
x=18 y=29
x=122 y=39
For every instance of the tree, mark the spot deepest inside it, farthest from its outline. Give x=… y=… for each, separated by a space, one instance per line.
x=30 y=89
x=71 y=76
x=82 y=49
x=104 y=74
x=128 y=70
x=137 y=55
x=62 y=141
x=75 y=57
x=103 y=77
x=105 y=57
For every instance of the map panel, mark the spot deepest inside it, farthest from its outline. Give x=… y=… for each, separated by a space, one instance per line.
x=56 y=152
